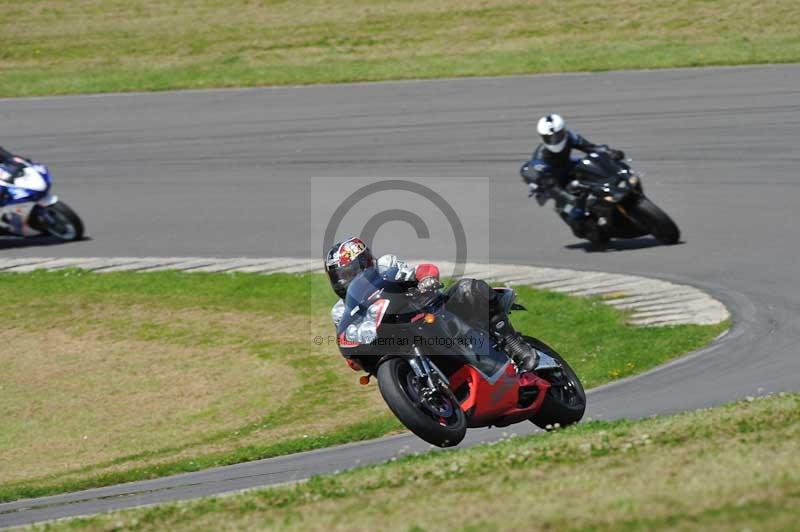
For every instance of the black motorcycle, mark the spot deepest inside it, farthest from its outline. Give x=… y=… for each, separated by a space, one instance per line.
x=616 y=206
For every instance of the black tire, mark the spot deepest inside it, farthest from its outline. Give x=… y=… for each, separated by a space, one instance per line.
x=393 y=382
x=655 y=221
x=565 y=402
x=58 y=220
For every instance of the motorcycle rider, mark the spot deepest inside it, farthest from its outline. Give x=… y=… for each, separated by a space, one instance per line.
x=471 y=299
x=550 y=169
x=14 y=164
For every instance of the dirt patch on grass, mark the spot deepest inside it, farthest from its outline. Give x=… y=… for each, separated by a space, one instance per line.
x=113 y=386
x=75 y=400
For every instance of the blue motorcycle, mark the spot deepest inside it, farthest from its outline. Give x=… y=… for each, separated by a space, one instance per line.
x=27 y=208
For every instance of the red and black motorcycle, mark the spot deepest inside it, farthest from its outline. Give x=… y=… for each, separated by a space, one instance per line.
x=440 y=373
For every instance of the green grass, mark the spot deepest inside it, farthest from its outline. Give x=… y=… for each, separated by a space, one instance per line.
x=592 y=337
x=732 y=467
x=79 y=46
x=109 y=378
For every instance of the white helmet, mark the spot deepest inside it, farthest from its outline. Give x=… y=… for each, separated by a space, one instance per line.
x=553 y=132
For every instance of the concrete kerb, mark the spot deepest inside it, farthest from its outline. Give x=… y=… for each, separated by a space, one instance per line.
x=652 y=302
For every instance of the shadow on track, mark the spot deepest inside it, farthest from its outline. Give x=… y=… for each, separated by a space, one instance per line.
x=629 y=244
x=15 y=242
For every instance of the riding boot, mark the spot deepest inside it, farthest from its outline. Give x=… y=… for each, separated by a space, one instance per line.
x=580 y=202
x=523 y=355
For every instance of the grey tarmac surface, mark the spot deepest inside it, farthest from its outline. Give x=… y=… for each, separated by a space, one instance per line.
x=226 y=174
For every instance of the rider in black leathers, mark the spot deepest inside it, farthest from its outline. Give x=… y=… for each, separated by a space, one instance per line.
x=550 y=171
x=472 y=299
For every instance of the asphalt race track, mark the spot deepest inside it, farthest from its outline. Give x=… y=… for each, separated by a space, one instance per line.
x=225 y=173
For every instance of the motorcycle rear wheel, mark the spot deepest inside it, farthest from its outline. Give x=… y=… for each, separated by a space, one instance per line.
x=396 y=384
x=565 y=402
x=655 y=221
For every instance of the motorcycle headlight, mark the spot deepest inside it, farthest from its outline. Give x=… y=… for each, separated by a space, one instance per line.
x=633 y=180
x=367 y=332
x=376 y=310
x=364 y=329
x=351 y=333
x=373 y=311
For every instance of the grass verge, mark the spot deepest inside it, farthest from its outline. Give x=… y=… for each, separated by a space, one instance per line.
x=109 y=378
x=59 y=47
x=735 y=466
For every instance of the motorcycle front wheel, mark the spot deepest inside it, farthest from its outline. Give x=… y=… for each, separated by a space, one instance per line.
x=655 y=221
x=58 y=220
x=434 y=416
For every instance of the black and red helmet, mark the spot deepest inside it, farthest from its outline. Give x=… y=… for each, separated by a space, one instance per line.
x=345 y=261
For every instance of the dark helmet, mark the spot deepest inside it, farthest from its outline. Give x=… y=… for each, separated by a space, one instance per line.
x=345 y=261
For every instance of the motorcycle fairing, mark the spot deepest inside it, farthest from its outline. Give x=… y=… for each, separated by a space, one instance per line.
x=470 y=343
x=21 y=196
x=598 y=167
x=32 y=185
x=14 y=219
x=498 y=402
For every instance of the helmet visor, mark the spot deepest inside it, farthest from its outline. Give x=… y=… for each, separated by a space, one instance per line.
x=340 y=277
x=555 y=138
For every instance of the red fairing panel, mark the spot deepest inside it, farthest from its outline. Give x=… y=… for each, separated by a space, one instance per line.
x=498 y=403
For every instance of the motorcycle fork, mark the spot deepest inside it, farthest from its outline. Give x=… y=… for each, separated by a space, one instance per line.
x=424 y=369
x=629 y=198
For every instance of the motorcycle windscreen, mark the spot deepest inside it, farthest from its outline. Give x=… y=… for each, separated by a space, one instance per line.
x=452 y=336
x=369 y=286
